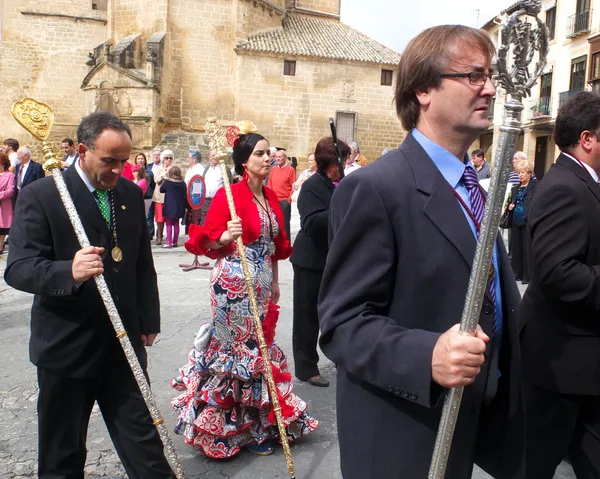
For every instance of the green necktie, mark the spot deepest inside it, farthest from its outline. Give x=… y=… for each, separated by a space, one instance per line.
x=102 y=200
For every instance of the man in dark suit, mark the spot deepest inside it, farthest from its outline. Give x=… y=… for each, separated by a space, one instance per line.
x=561 y=308
x=28 y=170
x=73 y=344
x=402 y=240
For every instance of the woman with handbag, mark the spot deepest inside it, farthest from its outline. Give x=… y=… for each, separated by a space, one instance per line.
x=520 y=202
x=225 y=404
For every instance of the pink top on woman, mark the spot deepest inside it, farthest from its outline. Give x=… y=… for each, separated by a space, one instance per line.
x=7 y=191
x=143 y=185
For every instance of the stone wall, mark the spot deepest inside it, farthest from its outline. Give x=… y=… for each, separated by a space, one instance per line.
x=323 y=6
x=44 y=57
x=293 y=111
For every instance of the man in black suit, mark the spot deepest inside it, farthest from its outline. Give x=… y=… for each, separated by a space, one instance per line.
x=402 y=240
x=560 y=340
x=28 y=170
x=73 y=344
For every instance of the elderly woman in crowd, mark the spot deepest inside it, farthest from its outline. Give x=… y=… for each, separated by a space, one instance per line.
x=308 y=259
x=305 y=175
x=7 y=191
x=520 y=202
x=160 y=173
x=225 y=403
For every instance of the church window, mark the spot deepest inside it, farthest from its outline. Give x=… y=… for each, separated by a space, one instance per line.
x=289 y=67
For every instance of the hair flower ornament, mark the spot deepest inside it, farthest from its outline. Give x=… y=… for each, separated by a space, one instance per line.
x=241 y=128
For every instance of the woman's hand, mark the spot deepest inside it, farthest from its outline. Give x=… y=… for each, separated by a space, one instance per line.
x=511 y=207
x=234 y=231
x=275 y=293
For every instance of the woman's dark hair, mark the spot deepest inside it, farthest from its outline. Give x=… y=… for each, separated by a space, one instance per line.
x=142 y=174
x=325 y=152
x=579 y=113
x=4 y=162
x=242 y=150
x=143 y=156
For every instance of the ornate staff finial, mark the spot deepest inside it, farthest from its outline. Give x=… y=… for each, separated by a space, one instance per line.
x=525 y=41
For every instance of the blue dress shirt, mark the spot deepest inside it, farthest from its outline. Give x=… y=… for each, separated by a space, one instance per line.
x=452 y=170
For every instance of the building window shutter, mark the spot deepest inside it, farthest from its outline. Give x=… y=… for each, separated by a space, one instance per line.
x=345 y=125
x=386 y=77
x=289 y=67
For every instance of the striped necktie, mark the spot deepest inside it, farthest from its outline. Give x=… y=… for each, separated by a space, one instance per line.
x=469 y=179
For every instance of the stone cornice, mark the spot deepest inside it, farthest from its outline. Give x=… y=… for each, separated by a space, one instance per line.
x=62 y=15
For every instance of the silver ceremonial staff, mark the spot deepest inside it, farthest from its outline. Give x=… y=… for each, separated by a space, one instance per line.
x=38 y=119
x=521 y=41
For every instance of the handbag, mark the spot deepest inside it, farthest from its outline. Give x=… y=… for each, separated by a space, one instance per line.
x=506 y=219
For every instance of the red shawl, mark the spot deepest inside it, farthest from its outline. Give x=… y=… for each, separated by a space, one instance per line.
x=218 y=216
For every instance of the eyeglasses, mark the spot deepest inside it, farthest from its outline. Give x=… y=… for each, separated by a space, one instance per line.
x=475 y=78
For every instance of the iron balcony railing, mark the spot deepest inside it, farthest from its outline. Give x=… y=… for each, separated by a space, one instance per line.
x=565 y=95
x=579 y=23
x=540 y=108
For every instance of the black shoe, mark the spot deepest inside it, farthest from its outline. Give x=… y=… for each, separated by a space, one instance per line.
x=318 y=381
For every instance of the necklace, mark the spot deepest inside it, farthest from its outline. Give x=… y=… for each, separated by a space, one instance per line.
x=265 y=208
x=115 y=252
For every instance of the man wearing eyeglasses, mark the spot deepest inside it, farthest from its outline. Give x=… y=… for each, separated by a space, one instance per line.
x=389 y=318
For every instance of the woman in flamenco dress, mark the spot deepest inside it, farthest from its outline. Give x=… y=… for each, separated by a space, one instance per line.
x=224 y=405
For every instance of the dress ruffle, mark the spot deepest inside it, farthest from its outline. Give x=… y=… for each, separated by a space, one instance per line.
x=225 y=401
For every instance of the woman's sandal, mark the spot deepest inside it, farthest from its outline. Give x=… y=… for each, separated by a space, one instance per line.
x=264 y=449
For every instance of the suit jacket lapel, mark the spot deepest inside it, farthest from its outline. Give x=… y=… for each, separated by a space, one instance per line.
x=441 y=208
x=122 y=214
x=86 y=205
x=582 y=173
x=27 y=173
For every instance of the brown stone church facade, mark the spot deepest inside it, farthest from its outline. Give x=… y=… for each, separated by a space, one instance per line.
x=165 y=66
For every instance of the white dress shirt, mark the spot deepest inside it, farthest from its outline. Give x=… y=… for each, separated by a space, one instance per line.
x=585 y=165
x=351 y=168
x=213 y=180
x=22 y=173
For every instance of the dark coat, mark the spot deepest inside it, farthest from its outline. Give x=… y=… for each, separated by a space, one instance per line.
x=175 y=198
x=528 y=198
x=561 y=307
x=71 y=334
x=311 y=244
x=34 y=172
x=396 y=277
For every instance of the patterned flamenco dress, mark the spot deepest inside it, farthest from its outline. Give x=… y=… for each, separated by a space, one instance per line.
x=224 y=404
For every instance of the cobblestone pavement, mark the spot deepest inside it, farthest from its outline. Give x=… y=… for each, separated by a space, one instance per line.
x=184 y=303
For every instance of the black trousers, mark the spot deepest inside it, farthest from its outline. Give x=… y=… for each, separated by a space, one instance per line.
x=520 y=247
x=150 y=220
x=204 y=210
x=64 y=408
x=286 y=208
x=561 y=425
x=305 y=332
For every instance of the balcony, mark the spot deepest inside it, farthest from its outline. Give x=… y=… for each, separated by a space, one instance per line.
x=579 y=24
x=540 y=109
x=565 y=95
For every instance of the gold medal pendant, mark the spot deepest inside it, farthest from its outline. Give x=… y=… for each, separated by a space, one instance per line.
x=117 y=254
